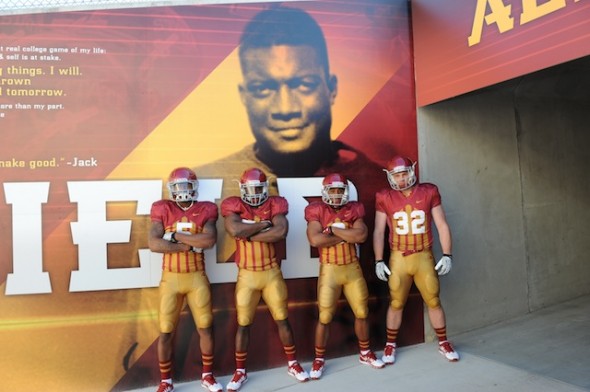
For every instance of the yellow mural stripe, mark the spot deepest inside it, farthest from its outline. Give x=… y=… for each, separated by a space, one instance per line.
x=59 y=322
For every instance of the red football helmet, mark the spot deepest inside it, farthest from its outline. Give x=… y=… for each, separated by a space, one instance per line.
x=183 y=185
x=335 y=181
x=254 y=187
x=399 y=164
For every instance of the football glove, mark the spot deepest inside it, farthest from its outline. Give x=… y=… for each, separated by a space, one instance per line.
x=444 y=265
x=382 y=271
x=169 y=236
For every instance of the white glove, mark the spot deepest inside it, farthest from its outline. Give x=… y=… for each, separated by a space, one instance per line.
x=196 y=250
x=444 y=265
x=382 y=271
x=169 y=236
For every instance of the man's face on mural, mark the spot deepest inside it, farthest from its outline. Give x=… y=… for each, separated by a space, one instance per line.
x=287 y=97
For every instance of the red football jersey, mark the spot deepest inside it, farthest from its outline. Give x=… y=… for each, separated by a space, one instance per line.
x=342 y=253
x=409 y=218
x=254 y=255
x=192 y=221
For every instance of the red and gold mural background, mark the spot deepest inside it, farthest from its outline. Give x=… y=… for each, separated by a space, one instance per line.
x=122 y=97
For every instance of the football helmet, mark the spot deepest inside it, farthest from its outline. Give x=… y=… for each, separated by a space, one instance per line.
x=335 y=181
x=254 y=187
x=183 y=185
x=400 y=164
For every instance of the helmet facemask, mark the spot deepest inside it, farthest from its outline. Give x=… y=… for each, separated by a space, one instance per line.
x=182 y=190
x=254 y=192
x=411 y=177
x=335 y=199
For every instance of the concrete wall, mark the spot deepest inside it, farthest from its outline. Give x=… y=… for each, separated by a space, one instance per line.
x=513 y=165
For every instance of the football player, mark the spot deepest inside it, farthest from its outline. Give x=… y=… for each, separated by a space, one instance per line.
x=257 y=221
x=181 y=228
x=335 y=226
x=408 y=209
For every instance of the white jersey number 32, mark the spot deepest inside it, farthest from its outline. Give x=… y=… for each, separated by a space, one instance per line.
x=413 y=221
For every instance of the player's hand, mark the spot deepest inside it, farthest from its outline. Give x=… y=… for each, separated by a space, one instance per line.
x=444 y=265
x=382 y=271
x=169 y=236
x=269 y=223
x=339 y=225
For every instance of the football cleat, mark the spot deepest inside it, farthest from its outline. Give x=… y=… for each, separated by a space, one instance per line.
x=165 y=387
x=447 y=350
x=237 y=381
x=371 y=360
x=209 y=383
x=389 y=354
x=317 y=368
x=295 y=370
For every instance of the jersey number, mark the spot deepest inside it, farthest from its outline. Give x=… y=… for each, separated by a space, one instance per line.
x=414 y=220
x=181 y=226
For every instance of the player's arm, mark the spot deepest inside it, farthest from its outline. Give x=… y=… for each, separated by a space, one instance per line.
x=203 y=240
x=357 y=234
x=444 y=231
x=276 y=232
x=379 y=235
x=381 y=266
x=158 y=244
x=237 y=228
x=320 y=237
x=445 y=263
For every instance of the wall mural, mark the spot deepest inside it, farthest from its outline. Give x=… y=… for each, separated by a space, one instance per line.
x=97 y=108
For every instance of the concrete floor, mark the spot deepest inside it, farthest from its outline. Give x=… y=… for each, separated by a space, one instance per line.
x=544 y=351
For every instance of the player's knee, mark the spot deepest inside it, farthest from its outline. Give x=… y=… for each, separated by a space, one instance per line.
x=166 y=326
x=205 y=321
x=431 y=297
x=245 y=318
x=432 y=302
x=244 y=321
x=326 y=316
x=361 y=312
x=280 y=314
x=397 y=304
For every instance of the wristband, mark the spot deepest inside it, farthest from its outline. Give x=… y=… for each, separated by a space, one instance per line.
x=448 y=255
x=379 y=261
x=173 y=238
